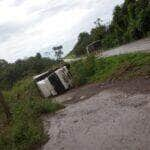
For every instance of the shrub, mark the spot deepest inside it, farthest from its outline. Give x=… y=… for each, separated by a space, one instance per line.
x=115 y=67
x=25 y=129
x=83 y=69
x=89 y=65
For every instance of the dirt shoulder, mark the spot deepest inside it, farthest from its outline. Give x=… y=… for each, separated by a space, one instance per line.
x=140 y=85
x=112 y=117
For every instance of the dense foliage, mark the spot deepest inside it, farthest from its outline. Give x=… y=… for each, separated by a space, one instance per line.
x=10 y=73
x=83 y=40
x=25 y=130
x=120 y=67
x=131 y=21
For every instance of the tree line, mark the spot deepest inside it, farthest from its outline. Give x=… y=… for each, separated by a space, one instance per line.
x=131 y=21
x=10 y=73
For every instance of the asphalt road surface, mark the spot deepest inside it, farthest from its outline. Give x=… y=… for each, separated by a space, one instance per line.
x=137 y=46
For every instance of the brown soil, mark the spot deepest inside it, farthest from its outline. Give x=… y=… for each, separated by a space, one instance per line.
x=107 y=116
x=140 y=85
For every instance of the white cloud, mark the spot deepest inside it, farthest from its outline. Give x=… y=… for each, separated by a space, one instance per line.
x=28 y=26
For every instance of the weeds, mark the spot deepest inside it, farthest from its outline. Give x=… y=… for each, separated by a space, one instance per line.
x=116 y=67
x=25 y=131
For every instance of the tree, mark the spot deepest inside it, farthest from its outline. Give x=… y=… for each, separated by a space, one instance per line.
x=98 y=33
x=131 y=21
x=80 y=47
x=38 y=55
x=5 y=106
x=98 y=22
x=10 y=73
x=58 y=52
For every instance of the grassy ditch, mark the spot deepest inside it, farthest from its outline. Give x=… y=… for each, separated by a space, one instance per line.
x=120 y=67
x=25 y=130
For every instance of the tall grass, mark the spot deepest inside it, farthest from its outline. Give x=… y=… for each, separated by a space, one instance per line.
x=112 y=68
x=25 y=131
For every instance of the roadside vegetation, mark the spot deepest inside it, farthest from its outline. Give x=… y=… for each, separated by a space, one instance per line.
x=24 y=131
x=10 y=73
x=122 y=67
x=21 y=103
x=130 y=22
x=70 y=56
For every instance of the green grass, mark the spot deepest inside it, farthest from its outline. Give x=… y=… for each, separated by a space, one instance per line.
x=71 y=55
x=120 y=67
x=25 y=131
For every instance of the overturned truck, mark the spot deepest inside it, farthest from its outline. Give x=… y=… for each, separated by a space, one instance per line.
x=52 y=83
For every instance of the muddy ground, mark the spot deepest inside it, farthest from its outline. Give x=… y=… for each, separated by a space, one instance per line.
x=110 y=116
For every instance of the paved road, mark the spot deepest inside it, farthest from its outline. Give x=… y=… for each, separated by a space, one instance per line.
x=117 y=118
x=138 y=46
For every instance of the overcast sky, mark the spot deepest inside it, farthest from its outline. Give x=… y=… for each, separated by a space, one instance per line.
x=31 y=26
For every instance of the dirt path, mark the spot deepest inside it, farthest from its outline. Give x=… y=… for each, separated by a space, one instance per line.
x=113 y=117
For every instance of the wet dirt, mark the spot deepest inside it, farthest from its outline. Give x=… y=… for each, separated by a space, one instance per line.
x=107 y=116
